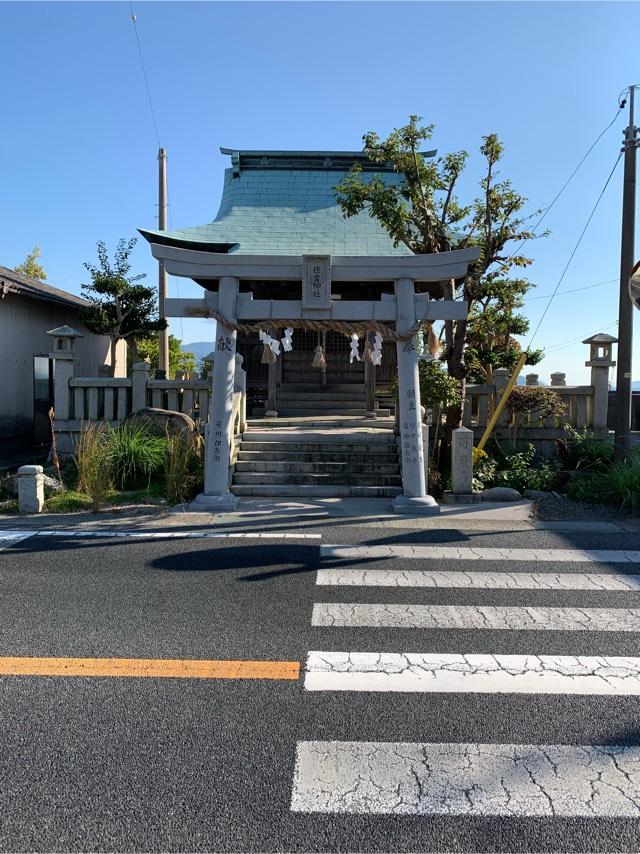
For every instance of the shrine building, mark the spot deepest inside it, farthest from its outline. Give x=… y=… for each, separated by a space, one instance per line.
x=324 y=308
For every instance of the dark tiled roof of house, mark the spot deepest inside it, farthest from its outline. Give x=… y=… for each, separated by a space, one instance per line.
x=13 y=282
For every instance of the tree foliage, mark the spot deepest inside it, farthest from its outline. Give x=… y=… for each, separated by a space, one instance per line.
x=119 y=306
x=30 y=266
x=539 y=401
x=421 y=210
x=149 y=350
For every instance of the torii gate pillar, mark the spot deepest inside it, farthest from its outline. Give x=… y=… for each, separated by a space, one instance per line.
x=219 y=435
x=414 y=498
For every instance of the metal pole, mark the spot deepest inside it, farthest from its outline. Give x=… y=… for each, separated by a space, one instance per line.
x=625 y=306
x=163 y=334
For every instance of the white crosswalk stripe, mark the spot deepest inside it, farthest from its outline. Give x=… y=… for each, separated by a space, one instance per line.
x=481 y=554
x=472 y=779
x=473 y=673
x=492 y=617
x=477 y=580
x=10 y=538
x=467 y=779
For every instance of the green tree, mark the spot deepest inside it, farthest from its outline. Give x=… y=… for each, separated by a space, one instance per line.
x=493 y=322
x=422 y=212
x=148 y=349
x=119 y=306
x=30 y=266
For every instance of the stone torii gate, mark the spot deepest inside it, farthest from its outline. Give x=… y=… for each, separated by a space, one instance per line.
x=405 y=308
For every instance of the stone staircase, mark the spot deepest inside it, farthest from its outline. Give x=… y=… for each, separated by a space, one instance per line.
x=345 y=400
x=318 y=459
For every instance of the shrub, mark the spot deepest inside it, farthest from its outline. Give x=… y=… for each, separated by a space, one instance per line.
x=618 y=486
x=517 y=471
x=92 y=463
x=134 y=455
x=538 y=401
x=484 y=470
x=580 y=449
x=183 y=471
x=438 y=390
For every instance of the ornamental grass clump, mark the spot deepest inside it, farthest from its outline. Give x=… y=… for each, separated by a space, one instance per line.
x=184 y=470
x=581 y=450
x=92 y=464
x=134 y=455
x=619 y=486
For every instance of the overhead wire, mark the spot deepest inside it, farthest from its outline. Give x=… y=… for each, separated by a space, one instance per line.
x=144 y=71
x=561 y=346
x=546 y=210
x=572 y=291
x=574 y=250
x=134 y=20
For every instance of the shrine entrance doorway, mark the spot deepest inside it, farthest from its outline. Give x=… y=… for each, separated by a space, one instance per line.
x=297 y=365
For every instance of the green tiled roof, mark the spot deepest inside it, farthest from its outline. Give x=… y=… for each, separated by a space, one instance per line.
x=283 y=203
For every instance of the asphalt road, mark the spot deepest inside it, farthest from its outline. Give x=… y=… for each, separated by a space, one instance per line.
x=184 y=764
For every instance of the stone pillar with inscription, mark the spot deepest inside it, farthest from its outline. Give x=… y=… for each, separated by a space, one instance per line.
x=218 y=435
x=414 y=498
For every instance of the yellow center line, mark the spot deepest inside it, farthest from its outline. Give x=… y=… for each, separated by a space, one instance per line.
x=175 y=668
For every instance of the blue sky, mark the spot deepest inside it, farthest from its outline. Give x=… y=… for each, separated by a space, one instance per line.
x=78 y=148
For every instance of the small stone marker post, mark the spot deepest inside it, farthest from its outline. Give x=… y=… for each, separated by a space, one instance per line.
x=30 y=489
x=462 y=461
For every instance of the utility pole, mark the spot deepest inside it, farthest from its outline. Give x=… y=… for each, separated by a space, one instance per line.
x=625 y=307
x=163 y=334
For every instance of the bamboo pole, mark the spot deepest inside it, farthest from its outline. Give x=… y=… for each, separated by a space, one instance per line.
x=502 y=402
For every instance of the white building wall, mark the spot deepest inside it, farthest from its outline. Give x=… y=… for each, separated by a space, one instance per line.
x=24 y=323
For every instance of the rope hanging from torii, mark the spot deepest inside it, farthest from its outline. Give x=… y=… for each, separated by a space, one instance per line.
x=348 y=328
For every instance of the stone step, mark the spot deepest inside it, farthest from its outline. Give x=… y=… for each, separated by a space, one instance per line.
x=320 y=395
x=300 y=412
x=317 y=410
x=316 y=388
x=296 y=466
x=318 y=447
x=372 y=458
x=331 y=421
x=315 y=491
x=291 y=478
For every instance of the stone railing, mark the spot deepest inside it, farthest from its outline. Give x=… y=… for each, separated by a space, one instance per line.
x=585 y=406
x=111 y=399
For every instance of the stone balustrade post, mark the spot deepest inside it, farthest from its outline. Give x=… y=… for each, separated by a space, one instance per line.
x=558 y=379
x=501 y=379
x=64 y=355
x=30 y=489
x=240 y=384
x=139 y=377
x=532 y=379
x=414 y=498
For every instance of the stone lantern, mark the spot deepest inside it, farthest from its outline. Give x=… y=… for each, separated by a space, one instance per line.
x=208 y=361
x=64 y=354
x=64 y=342
x=600 y=361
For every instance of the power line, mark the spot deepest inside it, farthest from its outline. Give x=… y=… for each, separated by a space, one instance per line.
x=144 y=72
x=575 y=249
x=563 y=344
x=155 y=122
x=546 y=210
x=573 y=290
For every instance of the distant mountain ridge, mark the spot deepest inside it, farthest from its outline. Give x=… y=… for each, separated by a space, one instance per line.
x=198 y=348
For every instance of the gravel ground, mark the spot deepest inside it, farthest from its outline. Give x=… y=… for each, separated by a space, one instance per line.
x=551 y=506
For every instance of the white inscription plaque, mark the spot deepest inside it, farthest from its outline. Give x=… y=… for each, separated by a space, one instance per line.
x=316 y=286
